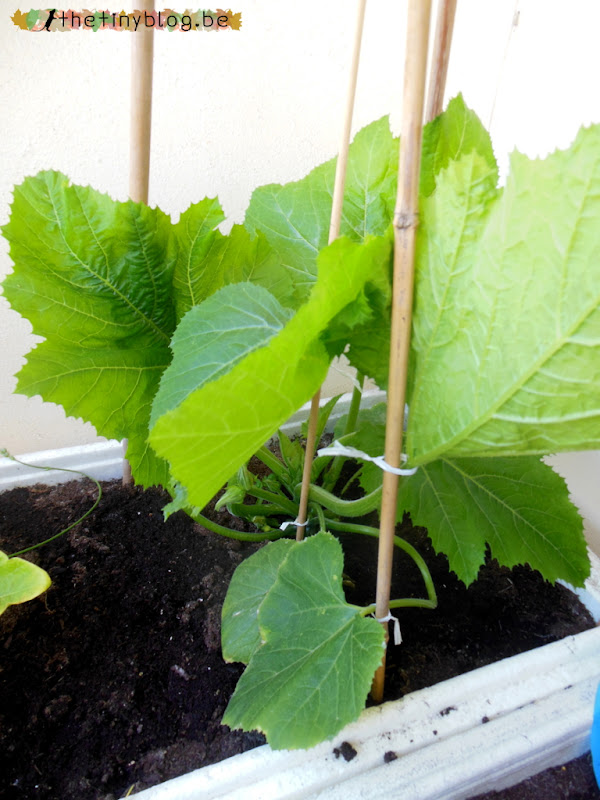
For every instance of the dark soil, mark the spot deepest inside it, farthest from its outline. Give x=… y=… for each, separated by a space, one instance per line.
x=114 y=677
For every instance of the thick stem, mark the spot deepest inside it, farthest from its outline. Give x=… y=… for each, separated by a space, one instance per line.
x=287 y=506
x=405 y=226
x=239 y=535
x=345 y=508
x=250 y=511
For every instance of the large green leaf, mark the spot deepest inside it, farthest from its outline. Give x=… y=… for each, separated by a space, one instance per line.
x=454 y=134
x=252 y=580
x=217 y=427
x=93 y=277
x=508 y=355
x=519 y=506
x=319 y=656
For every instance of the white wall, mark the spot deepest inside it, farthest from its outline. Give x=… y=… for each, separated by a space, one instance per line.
x=234 y=110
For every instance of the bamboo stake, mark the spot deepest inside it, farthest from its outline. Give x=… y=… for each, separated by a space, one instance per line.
x=405 y=227
x=440 y=57
x=142 y=54
x=334 y=232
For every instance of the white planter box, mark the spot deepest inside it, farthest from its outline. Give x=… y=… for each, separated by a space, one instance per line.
x=483 y=730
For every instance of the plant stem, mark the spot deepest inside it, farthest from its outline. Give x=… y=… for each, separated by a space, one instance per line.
x=321 y=515
x=405 y=226
x=287 y=506
x=239 y=535
x=70 y=527
x=345 y=508
x=334 y=232
x=357 y=391
x=248 y=511
x=367 y=530
x=272 y=462
x=338 y=462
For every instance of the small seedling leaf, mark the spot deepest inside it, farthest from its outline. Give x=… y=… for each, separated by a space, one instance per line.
x=20 y=580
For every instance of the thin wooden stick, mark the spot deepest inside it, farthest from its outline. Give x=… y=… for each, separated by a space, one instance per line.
x=142 y=54
x=141 y=108
x=405 y=227
x=440 y=57
x=334 y=232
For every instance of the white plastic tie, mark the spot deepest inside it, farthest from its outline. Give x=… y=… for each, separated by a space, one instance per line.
x=297 y=524
x=391 y=618
x=337 y=449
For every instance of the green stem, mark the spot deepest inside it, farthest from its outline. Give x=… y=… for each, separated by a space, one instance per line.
x=287 y=506
x=247 y=511
x=272 y=462
x=70 y=527
x=239 y=535
x=349 y=481
x=367 y=530
x=345 y=508
x=320 y=514
x=350 y=426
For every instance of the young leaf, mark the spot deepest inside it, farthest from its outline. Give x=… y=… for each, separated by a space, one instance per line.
x=507 y=358
x=319 y=656
x=20 y=580
x=251 y=581
x=455 y=133
x=94 y=279
x=207 y=260
x=216 y=427
x=295 y=217
x=519 y=506
x=191 y=240
x=293 y=456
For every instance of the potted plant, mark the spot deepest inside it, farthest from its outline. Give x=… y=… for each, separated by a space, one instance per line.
x=169 y=324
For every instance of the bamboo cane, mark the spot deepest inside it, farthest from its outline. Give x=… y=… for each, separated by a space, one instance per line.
x=440 y=58
x=142 y=54
x=334 y=232
x=405 y=227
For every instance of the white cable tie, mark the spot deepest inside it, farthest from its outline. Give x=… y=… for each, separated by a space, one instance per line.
x=391 y=618
x=287 y=524
x=337 y=449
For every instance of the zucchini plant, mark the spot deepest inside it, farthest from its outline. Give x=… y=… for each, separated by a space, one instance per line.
x=198 y=346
